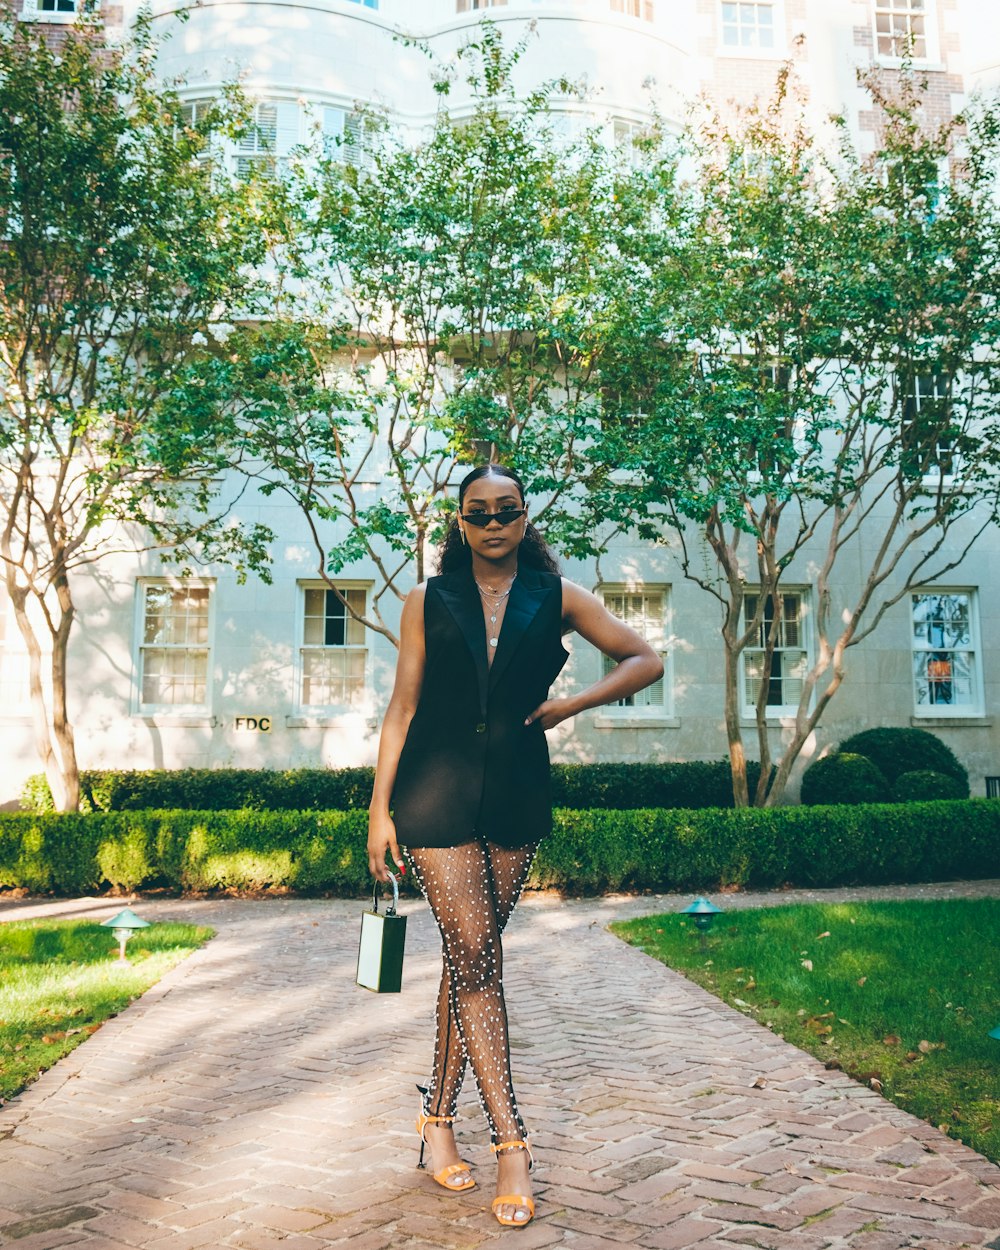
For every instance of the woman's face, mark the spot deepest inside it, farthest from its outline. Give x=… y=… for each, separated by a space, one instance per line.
x=490 y=495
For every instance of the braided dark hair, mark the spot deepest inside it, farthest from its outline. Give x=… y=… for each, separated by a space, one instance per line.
x=533 y=551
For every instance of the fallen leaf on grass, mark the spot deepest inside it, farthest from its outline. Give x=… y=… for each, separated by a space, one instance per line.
x=807 y=964
x=890 y=1039
x=875 y=1083
x=822 y=935
x=925 y=1047
x=49 y=1038
x=862 y=980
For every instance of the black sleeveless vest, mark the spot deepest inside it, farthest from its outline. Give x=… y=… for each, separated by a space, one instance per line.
x=470 y=768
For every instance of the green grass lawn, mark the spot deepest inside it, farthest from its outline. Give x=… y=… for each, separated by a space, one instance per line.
x=901 y=996
x=60 y=980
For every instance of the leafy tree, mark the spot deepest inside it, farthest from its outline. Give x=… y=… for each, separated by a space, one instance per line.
x=818 y=375
x=121 y=244
x=446 y=300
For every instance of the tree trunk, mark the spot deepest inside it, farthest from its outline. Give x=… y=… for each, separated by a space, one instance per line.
x=62 y=728
x=54 y=740
x=737 y=756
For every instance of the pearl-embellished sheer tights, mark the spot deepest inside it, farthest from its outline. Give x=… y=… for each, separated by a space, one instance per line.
x=472 y=890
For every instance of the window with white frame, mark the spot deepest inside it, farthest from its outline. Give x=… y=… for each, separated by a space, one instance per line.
x=334 y=655
x=627 y=136
x=946 y=676
x=175 y=648
x=645 y=611
x=901 y=28
x=632 y=8
x=748 y=24
x=790 y=660
x=269 y=139
x=928 y=442
x=56 y=10
x=14 y=693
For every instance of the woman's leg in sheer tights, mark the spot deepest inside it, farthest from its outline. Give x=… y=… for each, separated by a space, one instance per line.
x=472 y=890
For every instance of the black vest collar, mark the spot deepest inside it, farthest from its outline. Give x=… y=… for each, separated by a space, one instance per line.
x=460 y=596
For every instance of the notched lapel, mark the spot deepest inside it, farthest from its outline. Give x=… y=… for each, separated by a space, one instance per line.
x=462 y=601
x=526 y=596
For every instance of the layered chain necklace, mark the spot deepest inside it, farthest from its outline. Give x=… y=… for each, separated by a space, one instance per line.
x=494 y=601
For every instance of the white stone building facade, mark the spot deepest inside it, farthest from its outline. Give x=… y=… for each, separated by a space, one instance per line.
x=214 y=674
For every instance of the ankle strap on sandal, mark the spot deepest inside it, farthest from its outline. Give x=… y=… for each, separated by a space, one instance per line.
x=510 y=1145
x=424 y=1120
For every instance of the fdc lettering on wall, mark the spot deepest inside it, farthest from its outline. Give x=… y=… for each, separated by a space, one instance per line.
x=252 y=724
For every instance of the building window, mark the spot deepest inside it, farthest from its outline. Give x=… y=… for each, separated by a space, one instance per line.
x=901 y=28
x=928 y=444
x=790 y=661
x=945 y=654
x=748 y=25
x=175 y=651
x=368 y=4
x=270 y=138
x=14 y=692
x=645 y=611
x=627 y=137
x=334 y=657
x=634 y=8
x=64 y=11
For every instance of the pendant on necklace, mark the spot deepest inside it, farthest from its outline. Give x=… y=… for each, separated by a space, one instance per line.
x=493 y=642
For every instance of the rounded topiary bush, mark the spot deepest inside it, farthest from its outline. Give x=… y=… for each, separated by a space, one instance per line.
x=924 y=785
x=843 y=778
x=898 y=751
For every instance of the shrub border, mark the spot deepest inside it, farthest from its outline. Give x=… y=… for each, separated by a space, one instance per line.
x=587 y=852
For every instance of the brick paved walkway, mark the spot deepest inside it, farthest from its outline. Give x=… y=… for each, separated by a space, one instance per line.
x=255 y=1098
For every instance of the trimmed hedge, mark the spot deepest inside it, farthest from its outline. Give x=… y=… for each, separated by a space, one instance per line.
x=898 y=751
x=844 y=778
x=923 y=784
x=587 y=852
x=694 y=784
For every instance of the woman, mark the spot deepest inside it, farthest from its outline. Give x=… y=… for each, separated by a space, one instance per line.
x=463 y=766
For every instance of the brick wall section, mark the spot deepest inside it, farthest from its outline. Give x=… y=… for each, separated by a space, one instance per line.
x=942 y=85
x=113 y=16
x=741 y=79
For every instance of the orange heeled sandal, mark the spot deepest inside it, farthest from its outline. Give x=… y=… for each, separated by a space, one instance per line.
x=460 y=1184
x=514 y=1200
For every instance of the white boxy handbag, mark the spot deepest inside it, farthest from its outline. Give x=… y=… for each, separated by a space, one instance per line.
x=380 y=953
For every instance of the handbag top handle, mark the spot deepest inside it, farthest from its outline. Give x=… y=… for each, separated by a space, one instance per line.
x=389 y=911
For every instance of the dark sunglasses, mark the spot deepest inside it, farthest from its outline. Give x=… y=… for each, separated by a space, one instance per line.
x=505 y=516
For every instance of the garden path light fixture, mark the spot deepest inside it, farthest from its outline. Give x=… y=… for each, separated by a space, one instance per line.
x=124 y=925
x=702 y=912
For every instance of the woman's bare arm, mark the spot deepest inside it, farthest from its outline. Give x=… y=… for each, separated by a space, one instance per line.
x=637 y=666
x=402 y=705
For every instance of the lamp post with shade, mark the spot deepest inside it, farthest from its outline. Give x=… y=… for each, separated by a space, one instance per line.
x=123 y=926
x=703 y=913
